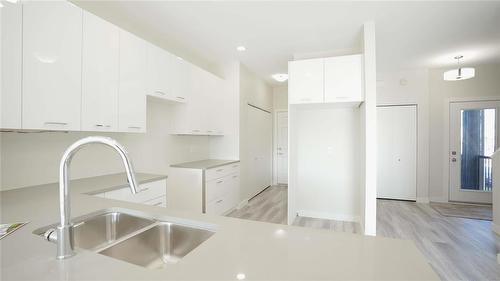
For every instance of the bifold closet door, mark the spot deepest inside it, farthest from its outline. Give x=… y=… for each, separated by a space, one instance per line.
x=259 y=143
x=397 y=152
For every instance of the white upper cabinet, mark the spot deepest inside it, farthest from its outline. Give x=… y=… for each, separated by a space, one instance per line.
x=306 y=81
x=100 y=70
x=11 y=22
x=179 y=72
x=132 y=86
x=158 y=72
x=326 y=80
x=52 y=56
x=343 y=79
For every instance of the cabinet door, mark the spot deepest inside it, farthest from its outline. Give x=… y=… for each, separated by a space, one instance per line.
x=306 y=81
x=11 y=22
x=158 y=64
x=132 y=89
x=178 y=73
x=100 y=66
x=52 y=55
x=343 y=79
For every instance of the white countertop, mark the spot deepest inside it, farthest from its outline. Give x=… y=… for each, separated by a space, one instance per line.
x=261 y=251
x=204 y=164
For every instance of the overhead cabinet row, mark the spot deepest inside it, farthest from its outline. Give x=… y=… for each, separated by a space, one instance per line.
x=326 y=80
x=66 y=69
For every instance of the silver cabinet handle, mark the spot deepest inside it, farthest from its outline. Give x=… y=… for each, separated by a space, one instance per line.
x=99 y=125
x=219 y=170
x=157 y=204
x=134 y=127
x=220 y=182
x=305 y=99
x=145 y=189
x=160 y=92
x=196 y=131
x=219 y=201
x=56 y=123
x=235 y=166
x=182 y=98
x=235 y=176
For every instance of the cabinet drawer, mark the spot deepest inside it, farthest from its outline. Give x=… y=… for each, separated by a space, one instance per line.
x=160 y=202
x=221 y=171
x=221 y=206
x=147 y=191
x=218 y=188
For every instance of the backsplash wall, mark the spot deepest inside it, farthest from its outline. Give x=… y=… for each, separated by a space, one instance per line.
x=33 y=158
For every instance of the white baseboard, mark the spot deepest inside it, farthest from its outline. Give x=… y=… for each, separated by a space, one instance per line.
x=241 y=204
x=328 y=216
x=439 y=199
x=423 y=200
x=495 y=228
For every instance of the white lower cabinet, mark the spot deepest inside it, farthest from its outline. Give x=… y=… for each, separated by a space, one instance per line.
x=212 y=191
x=151 y=193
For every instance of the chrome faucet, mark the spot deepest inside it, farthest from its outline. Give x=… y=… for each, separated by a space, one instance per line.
x=64 y=232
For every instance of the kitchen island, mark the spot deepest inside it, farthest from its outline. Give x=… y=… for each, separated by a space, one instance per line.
x=239 y=249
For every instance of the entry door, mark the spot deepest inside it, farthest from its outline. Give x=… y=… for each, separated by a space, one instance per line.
x=473 y=139
x=397 y=152
x=282 y=147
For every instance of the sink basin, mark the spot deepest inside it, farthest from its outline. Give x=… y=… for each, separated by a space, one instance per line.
x=163 y=244
x=100 y=229
x=105 y=229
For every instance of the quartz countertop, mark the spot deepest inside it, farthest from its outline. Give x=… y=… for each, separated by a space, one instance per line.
x=260 y=251
x=204 y=164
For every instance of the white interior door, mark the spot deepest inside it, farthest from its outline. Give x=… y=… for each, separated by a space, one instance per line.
x=397 y=152
x=473 y=139
x=282 y=147
x=259 y=126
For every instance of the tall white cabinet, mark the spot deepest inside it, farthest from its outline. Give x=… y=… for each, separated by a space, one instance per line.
x=100 y=74
x=132 y=89
x=52 y=57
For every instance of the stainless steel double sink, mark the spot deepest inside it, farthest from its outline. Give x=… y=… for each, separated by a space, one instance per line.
x=135 y=237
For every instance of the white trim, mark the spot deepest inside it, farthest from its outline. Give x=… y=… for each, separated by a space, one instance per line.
x=241 y=204
x=446 y=139
x=275 y=138
x=495 y=228
x=328 y=216
x=438 y=199
x=423 y=200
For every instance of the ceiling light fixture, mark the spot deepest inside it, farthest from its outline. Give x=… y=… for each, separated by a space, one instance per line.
x=241 y=48
x=12 y=1
x=280 y=77
x=460 y=73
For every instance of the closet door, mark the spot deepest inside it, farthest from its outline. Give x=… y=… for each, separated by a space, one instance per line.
x=397 y=152
x=52 y=65
x=99 y=74
x=259 y=149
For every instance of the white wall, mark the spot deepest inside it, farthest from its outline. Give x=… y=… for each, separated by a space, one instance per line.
x=280 y=97
x=411 y=87
x=327 y=164
x=256 y=91
x=33 y=158
x=485 y=84
x=228 y=146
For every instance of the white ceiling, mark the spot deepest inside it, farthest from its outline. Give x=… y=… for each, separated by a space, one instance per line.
x=409 y=34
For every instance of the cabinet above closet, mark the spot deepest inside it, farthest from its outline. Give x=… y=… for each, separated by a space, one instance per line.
x=327 y=80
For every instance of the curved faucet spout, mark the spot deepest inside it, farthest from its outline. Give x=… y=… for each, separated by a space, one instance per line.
x=64 y=230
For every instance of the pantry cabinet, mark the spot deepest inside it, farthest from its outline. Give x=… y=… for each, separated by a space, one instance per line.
x=132 y=85
x=52 y=56
x=100 y=72
x=334 y=80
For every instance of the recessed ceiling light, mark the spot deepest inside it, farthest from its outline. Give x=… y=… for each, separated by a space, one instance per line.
x=280 y=77
x=240 y=276
x=241 y=48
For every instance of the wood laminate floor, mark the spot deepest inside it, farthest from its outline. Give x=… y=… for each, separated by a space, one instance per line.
x=457 y=248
